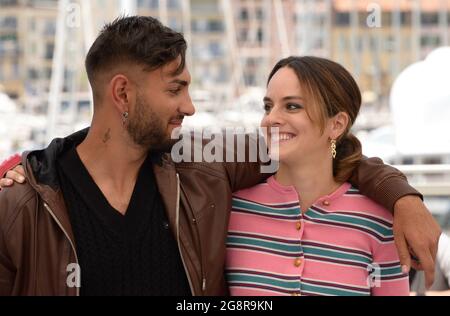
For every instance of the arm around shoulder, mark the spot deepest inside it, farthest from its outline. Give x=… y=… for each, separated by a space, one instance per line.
x=382 y=183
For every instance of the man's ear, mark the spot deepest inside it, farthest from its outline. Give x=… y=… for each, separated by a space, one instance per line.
x=339 y=125
x=121 y=92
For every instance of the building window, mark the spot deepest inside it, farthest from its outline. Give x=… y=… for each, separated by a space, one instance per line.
x=207 y=26
x=343 y=18
x=432 y=161
x=173 y=4
x=215 y=26
x=49 y=48
x=50 y=28
x=405 y=18
x=260 y=35
x=430 y=40
x=244 y=14
x=259 y=14
x=215 y=49
x=10 y=22
x=429 y=18
x=8 y=2
x=407 y=161
x=32 y=74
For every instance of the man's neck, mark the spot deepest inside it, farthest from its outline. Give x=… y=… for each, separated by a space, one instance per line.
x=311 y=181
x=112 y=163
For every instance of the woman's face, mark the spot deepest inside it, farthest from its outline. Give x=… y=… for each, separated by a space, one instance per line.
x=285 y=107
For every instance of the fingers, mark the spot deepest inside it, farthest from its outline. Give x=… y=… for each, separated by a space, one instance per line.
x=403 y=253
x=423 y=261
x=5 y=183
x=20 y=170
x=15 y=176
x=427 y=263
x=435 y=242
x=416 y=265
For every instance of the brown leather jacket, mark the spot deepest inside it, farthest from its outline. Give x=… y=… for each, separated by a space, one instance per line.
x=37 y=242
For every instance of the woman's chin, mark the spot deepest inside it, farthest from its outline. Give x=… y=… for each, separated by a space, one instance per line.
x=283 y=155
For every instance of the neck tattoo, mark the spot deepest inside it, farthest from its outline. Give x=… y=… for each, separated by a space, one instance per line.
x=107 y=136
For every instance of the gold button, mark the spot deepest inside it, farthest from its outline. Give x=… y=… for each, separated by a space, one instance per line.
x=295 y=294
x=326 y=203
x=298 y=225
x=298 y=262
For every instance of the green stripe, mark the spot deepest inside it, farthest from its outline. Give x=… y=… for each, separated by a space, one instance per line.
x=264 y=209
x=262 y=243
x=335 y=254
x=348 y=219
x=391 y=271
x=330 y=291
x=238 y=277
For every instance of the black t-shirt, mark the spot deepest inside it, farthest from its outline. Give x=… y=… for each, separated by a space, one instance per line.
x=131 y=254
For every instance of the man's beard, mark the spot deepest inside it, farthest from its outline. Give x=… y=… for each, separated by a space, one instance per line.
x=148 y=130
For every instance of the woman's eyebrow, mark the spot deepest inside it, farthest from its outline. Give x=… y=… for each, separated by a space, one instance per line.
x=288 y=98
x=292 y=98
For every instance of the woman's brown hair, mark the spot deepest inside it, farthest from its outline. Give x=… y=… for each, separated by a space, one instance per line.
x=329 y=89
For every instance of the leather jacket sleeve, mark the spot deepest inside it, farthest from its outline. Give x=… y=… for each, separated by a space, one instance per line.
x=242 y=173
x=382 y=183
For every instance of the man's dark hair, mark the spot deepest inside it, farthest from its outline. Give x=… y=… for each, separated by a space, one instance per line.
x=142 y=40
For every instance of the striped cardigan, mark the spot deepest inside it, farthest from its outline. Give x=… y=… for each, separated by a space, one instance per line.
x=342 y=245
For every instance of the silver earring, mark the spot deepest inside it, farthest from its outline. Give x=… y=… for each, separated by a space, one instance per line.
x=124 y=117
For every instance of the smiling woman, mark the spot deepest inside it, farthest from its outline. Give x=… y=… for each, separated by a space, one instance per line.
x=320 y=95
x=306 y=231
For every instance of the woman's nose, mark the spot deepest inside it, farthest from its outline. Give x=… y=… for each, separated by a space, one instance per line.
x=274 y=118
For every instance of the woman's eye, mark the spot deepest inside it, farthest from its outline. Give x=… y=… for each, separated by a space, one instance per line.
x=293 y=106
x=266 y=108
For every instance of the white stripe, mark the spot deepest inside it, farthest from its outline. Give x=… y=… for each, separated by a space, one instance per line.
x=367 y=254
x=263 y=252
x=351 y=224
x=351 y=214
x=296 y=240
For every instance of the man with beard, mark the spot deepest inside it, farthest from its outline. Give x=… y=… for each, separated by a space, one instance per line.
x=105 y=211
x=97 y=204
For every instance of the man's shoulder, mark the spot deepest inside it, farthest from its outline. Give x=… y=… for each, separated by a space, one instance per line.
x=13 y=201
